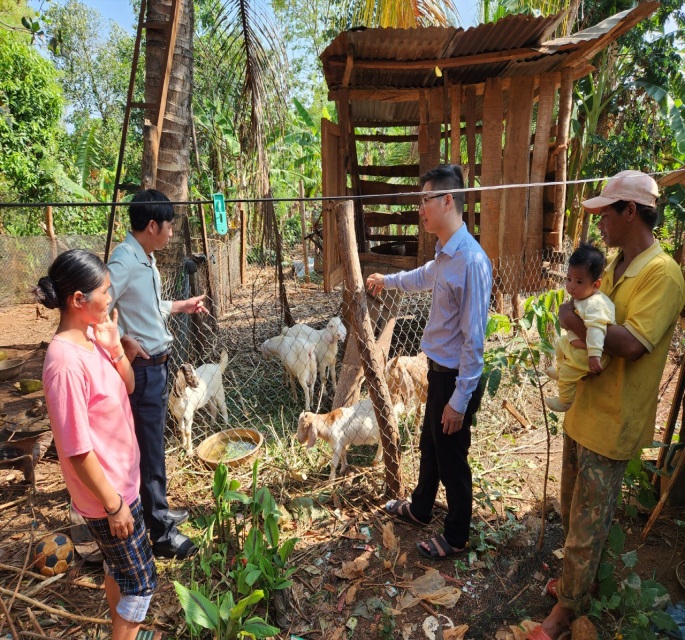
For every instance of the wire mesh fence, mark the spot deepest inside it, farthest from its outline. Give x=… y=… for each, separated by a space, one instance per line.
x=270 y=373
x=274 y=373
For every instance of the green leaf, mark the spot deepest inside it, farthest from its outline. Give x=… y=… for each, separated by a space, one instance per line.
x=287 y=548
x=259 y=628
x=238 y=611
x=616 y=538
x=304 y=114
x=629 y=559
x=227 y=603
x=220 y=479
x=494 y=380
x=663 y=621
x=197 y=608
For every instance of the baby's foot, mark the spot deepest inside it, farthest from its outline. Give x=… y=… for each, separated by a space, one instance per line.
x=551 y=372
x=555 y=404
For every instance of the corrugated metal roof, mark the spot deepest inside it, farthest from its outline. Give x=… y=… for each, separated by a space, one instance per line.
x=523 y=36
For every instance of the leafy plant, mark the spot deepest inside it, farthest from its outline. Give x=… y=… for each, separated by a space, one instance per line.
x=242 y=554
x=225 y=617
x=634 y=605
x=261 y=562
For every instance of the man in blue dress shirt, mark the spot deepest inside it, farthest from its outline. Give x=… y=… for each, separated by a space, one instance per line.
x=136 y=293
x=461 y=279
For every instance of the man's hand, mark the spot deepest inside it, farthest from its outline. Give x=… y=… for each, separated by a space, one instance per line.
x=375 y=283
x=566 y=312
x=132 y=348
x=452 y=421
x=594 y=364
x=191 y=305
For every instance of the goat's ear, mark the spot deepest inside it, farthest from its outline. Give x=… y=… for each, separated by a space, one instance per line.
x=311 y=435
x=190 y=375
x=180 y=383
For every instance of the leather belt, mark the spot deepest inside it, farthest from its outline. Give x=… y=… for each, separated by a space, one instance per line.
x=139 y=361
x=434 y=366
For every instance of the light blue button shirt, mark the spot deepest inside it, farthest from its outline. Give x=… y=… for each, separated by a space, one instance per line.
x=137 y=296
x=461 y=280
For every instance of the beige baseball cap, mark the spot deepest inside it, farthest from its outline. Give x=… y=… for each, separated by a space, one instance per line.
x=631 y=186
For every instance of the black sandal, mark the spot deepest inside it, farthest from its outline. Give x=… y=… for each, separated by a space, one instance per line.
x=401 y=509
x=439 y=548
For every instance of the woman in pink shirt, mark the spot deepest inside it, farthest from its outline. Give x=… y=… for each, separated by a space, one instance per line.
x=87 y=380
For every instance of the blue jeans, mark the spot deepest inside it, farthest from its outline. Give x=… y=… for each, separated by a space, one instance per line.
x=149 y=402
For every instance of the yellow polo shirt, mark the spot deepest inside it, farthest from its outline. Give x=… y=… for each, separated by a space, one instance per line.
x=614 y=413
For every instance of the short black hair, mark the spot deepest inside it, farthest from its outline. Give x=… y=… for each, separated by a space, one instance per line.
x=649 y=215
x=445 y=177
x=72 y=271
x=143 y=208
x=589 y=258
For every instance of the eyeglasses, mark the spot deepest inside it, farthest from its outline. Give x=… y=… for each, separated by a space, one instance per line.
x=425 y=199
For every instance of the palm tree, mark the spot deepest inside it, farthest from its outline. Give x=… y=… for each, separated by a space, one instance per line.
x=176 y=135
x=244 y=36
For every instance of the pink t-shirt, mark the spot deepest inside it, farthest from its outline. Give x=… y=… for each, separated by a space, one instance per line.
x=89 y=410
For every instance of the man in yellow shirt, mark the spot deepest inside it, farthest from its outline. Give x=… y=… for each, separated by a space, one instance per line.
x=614 y=413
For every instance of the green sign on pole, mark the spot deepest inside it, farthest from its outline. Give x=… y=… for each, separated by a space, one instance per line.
x=220 y=222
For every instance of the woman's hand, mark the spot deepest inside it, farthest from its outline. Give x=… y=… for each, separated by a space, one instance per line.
x=121 y=523
x=107 y=335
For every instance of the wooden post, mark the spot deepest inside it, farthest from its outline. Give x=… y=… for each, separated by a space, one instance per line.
x=673 y=414
x=370 y=356
x=563 y=124
x=243 y=247
x=50 y=229
x=303 y=224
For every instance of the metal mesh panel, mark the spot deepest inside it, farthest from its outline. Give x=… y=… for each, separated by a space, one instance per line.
x=257 y=391
x=24 y=260
x=246 y=312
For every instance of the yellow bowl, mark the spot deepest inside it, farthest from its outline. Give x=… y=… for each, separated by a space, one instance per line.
x=233 y=447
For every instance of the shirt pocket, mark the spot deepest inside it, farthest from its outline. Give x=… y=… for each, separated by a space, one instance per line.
x=443 y=301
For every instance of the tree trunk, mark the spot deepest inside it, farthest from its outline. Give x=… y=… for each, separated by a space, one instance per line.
x=371 y=357
x=173 y=161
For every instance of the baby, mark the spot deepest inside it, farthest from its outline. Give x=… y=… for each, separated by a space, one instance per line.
x=575 y=358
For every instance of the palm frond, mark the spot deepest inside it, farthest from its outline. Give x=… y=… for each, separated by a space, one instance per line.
x=88 y=150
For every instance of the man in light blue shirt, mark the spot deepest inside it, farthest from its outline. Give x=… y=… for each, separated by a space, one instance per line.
x=461 y=279
x=136 y=294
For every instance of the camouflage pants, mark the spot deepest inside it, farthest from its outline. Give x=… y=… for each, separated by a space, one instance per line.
x=590 y=486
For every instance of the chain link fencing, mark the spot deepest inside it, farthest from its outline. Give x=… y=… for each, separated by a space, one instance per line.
x=258 y=392
x=246 y=312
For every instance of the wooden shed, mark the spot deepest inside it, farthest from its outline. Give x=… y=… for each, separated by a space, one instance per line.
x=478 y=97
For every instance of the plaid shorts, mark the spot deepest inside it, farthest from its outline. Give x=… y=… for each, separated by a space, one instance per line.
x=130 y=563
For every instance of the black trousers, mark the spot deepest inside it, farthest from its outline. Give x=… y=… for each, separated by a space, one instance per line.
x=149 y=402
x=444 y=458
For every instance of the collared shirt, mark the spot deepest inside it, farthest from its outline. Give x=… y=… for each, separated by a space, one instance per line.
x=137 y=295
x=614 y=413
x=461 y=280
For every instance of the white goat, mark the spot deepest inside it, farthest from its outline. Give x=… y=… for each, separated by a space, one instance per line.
x=341 y=428
x=194 y=389
x=298 y=359
x=407 y=378
x=326 y=342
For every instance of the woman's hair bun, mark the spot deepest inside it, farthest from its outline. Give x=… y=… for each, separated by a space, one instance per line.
x=46 y=293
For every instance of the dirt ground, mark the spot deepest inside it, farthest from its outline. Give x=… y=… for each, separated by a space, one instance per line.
x=500 y=583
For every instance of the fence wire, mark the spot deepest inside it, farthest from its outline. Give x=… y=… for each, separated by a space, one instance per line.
x=246 y=322
x=258 y=393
